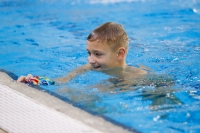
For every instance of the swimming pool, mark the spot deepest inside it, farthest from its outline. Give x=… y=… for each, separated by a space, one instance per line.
x=48 y=38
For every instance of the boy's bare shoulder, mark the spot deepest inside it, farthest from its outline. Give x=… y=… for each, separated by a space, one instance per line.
x=135 y=70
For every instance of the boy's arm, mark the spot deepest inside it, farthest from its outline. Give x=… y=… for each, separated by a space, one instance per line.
x=74 y=73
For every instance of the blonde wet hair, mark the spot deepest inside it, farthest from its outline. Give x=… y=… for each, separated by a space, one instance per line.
x=110 y=33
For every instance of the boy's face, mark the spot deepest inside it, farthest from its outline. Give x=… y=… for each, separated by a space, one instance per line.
x=101 y=56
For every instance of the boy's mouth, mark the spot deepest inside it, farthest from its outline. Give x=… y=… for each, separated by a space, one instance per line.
x=96 y=67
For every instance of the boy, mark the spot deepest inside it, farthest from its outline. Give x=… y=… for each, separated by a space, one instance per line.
x=107 y=48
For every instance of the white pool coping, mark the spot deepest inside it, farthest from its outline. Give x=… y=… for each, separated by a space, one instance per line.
x=24 y=109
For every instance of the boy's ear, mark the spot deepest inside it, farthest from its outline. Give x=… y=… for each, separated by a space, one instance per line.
x=121 y=53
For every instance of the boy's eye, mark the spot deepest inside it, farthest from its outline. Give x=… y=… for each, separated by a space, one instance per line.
x=89 y=53
x=98 y=54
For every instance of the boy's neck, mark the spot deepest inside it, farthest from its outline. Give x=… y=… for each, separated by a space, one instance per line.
x=116 y=71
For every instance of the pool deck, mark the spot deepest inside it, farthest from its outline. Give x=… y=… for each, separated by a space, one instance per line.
x=24 y=109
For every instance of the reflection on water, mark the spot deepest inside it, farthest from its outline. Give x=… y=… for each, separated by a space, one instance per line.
x=156 y=97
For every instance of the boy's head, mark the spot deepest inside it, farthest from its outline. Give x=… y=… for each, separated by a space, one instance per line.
x=107 y=46
x=111 y=34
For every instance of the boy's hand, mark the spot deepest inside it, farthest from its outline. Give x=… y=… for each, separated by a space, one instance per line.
x=24 y=78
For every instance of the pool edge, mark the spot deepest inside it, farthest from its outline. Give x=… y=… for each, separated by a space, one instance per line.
x=60 y=106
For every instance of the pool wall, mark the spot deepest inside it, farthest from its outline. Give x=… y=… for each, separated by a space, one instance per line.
x=26 y=109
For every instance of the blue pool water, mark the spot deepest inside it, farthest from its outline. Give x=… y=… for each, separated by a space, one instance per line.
x=48 y=37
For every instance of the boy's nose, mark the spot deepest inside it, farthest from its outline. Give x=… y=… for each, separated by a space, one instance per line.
x=91 y=60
